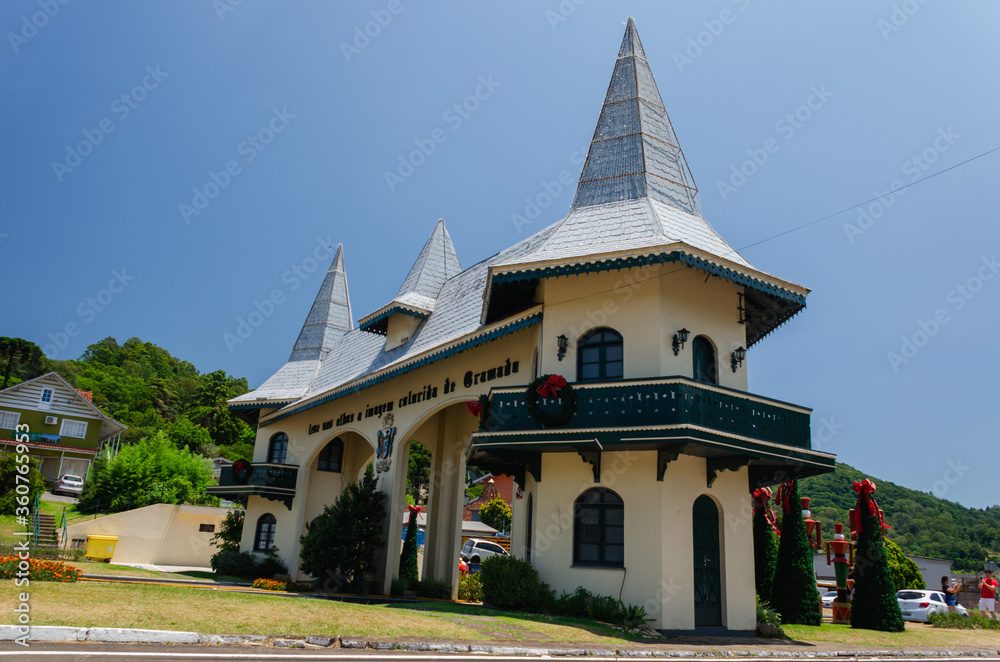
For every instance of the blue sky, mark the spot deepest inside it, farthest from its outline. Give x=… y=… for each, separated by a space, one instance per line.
x=165 y=167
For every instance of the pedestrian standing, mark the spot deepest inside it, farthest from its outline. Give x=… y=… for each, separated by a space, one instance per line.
x=950 y=590
x=987 y=598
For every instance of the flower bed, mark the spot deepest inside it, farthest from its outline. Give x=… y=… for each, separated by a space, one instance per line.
x=270 y=585
x=37 y=570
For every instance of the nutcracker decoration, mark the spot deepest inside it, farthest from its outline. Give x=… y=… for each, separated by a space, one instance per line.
x=843 y=557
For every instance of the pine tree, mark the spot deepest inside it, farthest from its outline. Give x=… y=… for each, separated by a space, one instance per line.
x=341 y=544
x=408 y=559
x=793 y=593
x=874 y=605
x=765 y=549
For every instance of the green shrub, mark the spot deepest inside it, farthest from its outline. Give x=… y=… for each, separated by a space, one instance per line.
x=603 y=608
x=573 y=604
x=341 y=544
x=434 y=588
x=954 y=620
x=400 y=585
x=768 y=617
x=606 y=609
x=239 y=564
x=793 y=590
x=470 y=588
x=632 y=616
x=510 y=583
x=270 y=565
x=874 y=605
x=10 y=499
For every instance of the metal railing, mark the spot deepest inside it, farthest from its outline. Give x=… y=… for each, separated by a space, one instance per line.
x=658 y=402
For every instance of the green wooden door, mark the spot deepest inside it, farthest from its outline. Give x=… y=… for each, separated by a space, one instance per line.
x=707 y=577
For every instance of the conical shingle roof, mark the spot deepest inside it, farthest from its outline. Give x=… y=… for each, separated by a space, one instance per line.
x=436 y=263
x=330 y=315
x=634 y=153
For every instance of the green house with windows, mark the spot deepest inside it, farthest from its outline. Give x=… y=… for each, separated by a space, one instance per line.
x=64 y=429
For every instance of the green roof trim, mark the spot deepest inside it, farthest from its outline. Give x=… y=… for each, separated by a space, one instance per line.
x=369 y=323
x=656 y=258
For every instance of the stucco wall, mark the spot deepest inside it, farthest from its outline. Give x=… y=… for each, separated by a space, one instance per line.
x=658 y=534
x=160 y=534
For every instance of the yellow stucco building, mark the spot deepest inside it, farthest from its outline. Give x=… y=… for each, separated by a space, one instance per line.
x=636 y=475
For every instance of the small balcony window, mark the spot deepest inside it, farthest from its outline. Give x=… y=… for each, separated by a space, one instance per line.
x=600 y=356
x=277 y=449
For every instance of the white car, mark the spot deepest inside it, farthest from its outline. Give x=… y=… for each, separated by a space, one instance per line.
x=476 y=551
x=69 y=485
x=828 y=598
x=918 y=605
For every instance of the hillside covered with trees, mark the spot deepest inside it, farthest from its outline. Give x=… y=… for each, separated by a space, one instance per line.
x=147 y=389
x=922 y=524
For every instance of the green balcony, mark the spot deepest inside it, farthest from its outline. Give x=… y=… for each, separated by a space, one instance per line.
x=270 y=481
x=729 y=428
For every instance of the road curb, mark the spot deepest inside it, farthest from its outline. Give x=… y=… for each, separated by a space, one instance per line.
x=138 y=636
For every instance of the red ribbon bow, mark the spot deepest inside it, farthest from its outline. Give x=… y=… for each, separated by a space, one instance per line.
x=475 y=407
x=415 y=509
x=550 y=388
x=783 y=497
x=866 y=492
x=761 y=496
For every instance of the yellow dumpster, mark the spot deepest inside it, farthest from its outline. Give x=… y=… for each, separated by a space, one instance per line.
x=101 y=548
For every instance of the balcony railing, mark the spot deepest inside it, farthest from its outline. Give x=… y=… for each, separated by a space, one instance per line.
x=659 y=402
x=271 y=481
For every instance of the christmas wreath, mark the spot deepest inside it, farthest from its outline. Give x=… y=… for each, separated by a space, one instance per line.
x=551 y=386
x=241 y=472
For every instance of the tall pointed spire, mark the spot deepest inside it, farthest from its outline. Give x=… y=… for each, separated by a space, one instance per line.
x=634 y=153
x=330 y=315
x=436 y=263
x=418 y=294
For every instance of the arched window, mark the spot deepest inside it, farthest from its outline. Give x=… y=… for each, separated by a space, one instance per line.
x=263 y=538
x=599 y=528
x=706 y=368
x=330 y=456
x=600 y=356
x=277 y=449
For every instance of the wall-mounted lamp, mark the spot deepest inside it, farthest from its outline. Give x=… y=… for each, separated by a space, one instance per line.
x=680 y=338
x=563 y=343
x=738 y=355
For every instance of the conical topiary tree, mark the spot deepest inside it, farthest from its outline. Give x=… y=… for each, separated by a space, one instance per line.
x=874 y=605
x=793 y=593
x=765 y=545
x=408 y=559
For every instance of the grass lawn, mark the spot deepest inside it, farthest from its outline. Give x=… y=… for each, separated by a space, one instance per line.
x=55 y=508
x=917 y=635
x=93 y=604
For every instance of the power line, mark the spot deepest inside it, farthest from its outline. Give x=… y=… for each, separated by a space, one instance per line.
x=855 y=206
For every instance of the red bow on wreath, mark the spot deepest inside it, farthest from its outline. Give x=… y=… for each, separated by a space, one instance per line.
x=783 y=497
x=476 y=407
x=550 y=388
x=761 y=496
x=414 y=509
x=866 y=492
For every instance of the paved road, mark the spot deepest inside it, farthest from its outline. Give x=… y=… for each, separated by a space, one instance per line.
x=140 y=653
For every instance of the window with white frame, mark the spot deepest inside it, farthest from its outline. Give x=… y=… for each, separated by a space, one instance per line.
x=70 y=428
x=9 y=419
x=45 y=399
